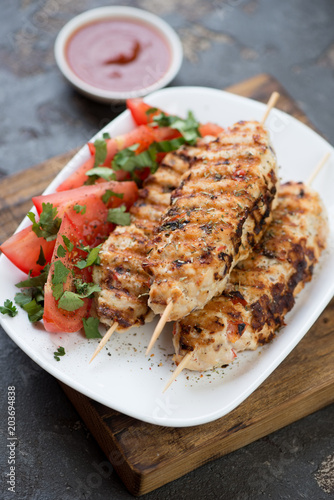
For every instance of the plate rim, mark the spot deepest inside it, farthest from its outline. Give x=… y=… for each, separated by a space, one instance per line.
x=63 y=377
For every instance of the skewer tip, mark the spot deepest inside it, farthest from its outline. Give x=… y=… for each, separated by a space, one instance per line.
x=181 y=366
x=104 y=340
x=270 y=105
x=160 y=326
x=317 y=169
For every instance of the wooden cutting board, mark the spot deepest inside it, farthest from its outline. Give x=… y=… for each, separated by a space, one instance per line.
x=147 y=456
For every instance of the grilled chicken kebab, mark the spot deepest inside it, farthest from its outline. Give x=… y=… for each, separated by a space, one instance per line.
x=261 y=289
x=217 y=215
x=124 y=284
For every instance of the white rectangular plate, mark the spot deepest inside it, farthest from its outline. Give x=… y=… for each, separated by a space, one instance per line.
x=121 y=377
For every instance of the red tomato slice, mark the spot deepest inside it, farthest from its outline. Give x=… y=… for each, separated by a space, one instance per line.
x=55 y=319
x=138 y=110
x=92 y=218
x=80 y=195
x=209 y=129
x=23 y=249
x=143 y=135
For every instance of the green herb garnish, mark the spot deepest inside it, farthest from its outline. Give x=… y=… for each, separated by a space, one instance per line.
x=9 y=308
x=151 y=111
x=70 y=301
x=106 y=173
x=69 y=245
x=48 y=224
x=100 y=151
x=80 y=209
x=108 y=194
x=119 y=216
x=59 y=352
x=91 y=327
x=128 y=160
x=92 y=258
x=188 y=128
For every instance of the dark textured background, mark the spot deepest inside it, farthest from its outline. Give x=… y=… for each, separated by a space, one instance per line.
x=41 y=116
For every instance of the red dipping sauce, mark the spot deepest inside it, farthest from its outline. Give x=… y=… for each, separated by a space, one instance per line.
x=118 y=54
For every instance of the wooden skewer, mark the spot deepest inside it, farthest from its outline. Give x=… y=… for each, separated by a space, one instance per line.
x=160 y=326
x=187 y=357
x=270 y=105
x=105 y=339
x=164 y=318
x=179 y=369
x=317 y=169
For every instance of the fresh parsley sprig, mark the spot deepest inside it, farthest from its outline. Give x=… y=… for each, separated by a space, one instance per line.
x=119 y=216
x=59 y=352
x=188 y=128
x=128 y=160
x=91 y=328
x=48 y=224
x=32 y=298
x=105 y=173
x=100 y=151
x=8 y=308
x=92 y=257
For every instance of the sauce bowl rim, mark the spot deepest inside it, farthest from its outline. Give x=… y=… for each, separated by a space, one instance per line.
x=110 y=12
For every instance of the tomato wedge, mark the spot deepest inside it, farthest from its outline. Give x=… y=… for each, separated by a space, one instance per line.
x=85 y=208
x=23 y=250
x=144 y=136
x=57 y=320
x=138 y=109
x=210 y=129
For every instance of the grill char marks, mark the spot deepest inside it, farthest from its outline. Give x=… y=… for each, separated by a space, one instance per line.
x=262 y=288
x=124 y=282
x=220 y=208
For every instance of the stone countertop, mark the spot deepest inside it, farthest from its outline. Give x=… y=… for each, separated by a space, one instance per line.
x=41 y=116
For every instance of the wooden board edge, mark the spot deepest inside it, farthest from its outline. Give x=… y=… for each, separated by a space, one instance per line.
x=131 y=478
x=139 y=482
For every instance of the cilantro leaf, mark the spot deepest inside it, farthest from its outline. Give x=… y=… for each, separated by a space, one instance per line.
x=34 y=309
x=32 y=299
x=23 y=298
x=9 y=308
x=108 y=194
x=188 y=127
x=127 y=159
x=100 y=151
x=61 y=252
x=41 y=259
x=92 y=258
x=79 y=209
x=84 y=289
x=58 y=279
x=150 y=111
x=70 y=301
x=48 y=224
x=36 y=281
x=57 y=290
x=106 y=135
x=91 y=328
x=59 y=352
x=69 y=245
x=60 y=273
x=119 y=216
x=106 y=173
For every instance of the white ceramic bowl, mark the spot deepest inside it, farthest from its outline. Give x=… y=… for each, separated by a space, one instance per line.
x=130 y=13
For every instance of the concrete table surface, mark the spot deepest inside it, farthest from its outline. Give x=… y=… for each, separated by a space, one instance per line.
x=42 y=116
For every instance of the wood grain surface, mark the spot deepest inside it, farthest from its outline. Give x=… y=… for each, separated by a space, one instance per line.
x=146 y=456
